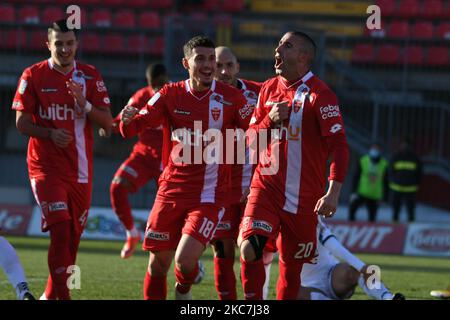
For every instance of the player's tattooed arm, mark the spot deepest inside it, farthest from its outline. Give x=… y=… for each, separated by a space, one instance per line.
x=24 y=123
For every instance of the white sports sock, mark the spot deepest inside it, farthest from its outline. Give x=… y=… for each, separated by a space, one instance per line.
x=380 y=294
x=9 y=262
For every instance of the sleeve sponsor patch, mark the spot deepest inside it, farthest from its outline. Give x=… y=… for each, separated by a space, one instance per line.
x=22 y=86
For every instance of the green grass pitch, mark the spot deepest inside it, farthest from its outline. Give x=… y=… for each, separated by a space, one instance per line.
x=104 y=275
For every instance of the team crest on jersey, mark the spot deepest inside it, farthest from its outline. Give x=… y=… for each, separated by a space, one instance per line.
x=219 y=99
x=215 y=113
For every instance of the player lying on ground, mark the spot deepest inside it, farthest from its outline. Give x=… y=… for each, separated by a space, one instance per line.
x=337 y=272
x=9 y=262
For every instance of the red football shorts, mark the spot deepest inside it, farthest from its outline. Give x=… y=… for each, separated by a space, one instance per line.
x=139 y=169
x=297 y=232
x=62 y=200
x=169 y=220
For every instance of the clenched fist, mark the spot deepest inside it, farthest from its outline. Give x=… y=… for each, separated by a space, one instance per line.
x=128 y=113
x=279 y=112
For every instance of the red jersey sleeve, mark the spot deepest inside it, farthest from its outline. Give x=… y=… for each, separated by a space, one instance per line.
x=260 y=117
x=25 y=99
x=149 y=116
x=328 y=114
x=97 y=94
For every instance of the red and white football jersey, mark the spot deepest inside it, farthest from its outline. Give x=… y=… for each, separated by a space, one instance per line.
x=241 y=174
x=43 y=93
x=221 y=107
x=299 y=178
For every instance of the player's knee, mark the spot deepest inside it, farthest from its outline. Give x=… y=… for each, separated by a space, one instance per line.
x=159 y=265
x=186 y=264
x=253 y=247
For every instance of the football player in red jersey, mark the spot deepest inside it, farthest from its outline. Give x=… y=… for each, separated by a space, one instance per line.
x=144 y=162
x=302 y=114
x=224 y=241
x=56 y=102
x=193 y=185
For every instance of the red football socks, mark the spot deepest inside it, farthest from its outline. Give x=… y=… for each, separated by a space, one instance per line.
x=155 y=288
x=253 y=276
x=224 y=278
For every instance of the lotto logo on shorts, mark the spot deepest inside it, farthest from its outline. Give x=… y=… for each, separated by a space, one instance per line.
x=224 y=225
x=57 y=206
x=263 y=225
x=160 y=236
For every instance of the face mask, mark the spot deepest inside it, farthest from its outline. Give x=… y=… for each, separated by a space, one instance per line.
x=374 y=153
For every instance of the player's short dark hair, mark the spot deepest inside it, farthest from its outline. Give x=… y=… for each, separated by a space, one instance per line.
x=310 y=45
x=60 y=26
x=154 y=70
x=197 y=41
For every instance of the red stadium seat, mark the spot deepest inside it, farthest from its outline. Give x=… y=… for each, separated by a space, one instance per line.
x=388 y=54
x=15 y=39
x=443 y=30
x=29 y=14
x=139 y=43
x=7 y=13
x=432 y=8
x=124 y=19
x=398 y=29
x=413 y=55
x=233 y=5
x=101 y=18
x=422 y=29
x=408 y=8
x=157 y=47
x=438 y=56
x=387 y=7
x=113 y=3
x=52 y=13
x=113 y=43
x=38 y=40
x=149 y=20
x=161 y=4
x=90 y=42
x=138 y=3
x=363 y=53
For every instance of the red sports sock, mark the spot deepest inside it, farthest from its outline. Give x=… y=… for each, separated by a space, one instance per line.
x=155 y=288
x=50 y=290
x=253 y=276
x=121 y=204
x=60 y=257
x=185 y=281
x=288 y=283
x=224 y=278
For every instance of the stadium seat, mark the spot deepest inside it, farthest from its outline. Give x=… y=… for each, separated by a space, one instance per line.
x=7 y=13
x=15 y=39
x=157 y=46
x=113 y=3
x=233 y=5
x=398 y=29
x=138 y=3
x=101 y=18
x=443 y=30
x=90 y=42
x=438 y=56
x=113 y=43
x=408 y=8
x=387 y=7
x=161 y=4
x=139 y=43
x=124 y=19
x=432 y=8
x=52 y=13
x=149 y=20
x=388 y=54
x=413 y=55
x=38 y=40
x=363 y=53
x=29 y=14
x=422 y=30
